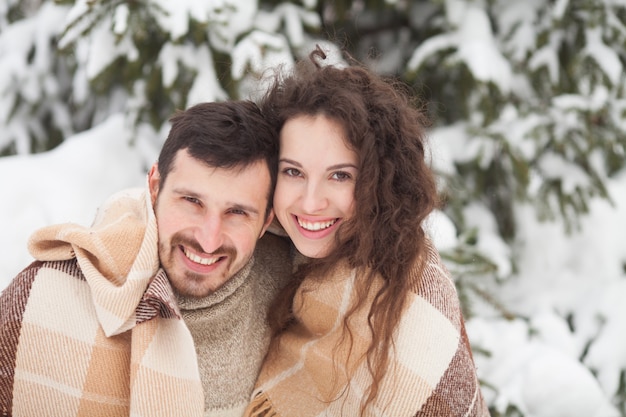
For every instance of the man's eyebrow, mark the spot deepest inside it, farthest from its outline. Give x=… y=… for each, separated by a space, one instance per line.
x=232 y=205
x=245 y=207
x=186 y=192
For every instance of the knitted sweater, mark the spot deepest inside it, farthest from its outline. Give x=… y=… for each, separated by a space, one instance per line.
x=93 y=327
x=230 y=329
x=430 y=374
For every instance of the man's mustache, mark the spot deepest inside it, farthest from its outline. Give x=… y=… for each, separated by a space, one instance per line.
x=193 y=244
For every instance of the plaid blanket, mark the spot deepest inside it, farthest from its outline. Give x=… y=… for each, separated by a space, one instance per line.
x=431 y=371
x=92 y=327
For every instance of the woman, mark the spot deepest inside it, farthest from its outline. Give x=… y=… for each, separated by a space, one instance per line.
x=372 y=324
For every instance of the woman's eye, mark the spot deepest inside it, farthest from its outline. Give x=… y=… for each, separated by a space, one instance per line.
x=341 y=176
x=292 y=172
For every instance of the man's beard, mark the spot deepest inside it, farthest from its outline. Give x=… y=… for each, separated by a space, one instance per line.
x=175 y=244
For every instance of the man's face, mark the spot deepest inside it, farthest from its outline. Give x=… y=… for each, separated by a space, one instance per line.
x=209 y=220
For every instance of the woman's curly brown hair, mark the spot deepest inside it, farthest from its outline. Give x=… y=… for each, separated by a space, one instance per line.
x=394 y=192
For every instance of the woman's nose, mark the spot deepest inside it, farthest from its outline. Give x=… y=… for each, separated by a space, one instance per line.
x=314 y=198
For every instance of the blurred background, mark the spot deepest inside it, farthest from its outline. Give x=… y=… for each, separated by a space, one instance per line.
x=528 y=139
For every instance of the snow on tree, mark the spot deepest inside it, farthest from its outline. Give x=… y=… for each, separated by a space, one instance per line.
x=33 y=86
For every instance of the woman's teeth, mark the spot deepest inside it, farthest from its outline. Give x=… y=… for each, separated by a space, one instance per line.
x=316 y=226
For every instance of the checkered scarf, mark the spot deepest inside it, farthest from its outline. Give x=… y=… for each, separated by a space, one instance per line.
x=92 y=328
x=431 y=370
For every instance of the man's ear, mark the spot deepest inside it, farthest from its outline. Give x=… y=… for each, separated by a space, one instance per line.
x=154 y=179
x=268 y=221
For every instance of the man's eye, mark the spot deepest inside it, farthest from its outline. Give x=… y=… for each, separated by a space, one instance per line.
x=192 y=200
x=238 y=212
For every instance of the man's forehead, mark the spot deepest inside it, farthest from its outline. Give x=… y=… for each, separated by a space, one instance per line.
x=183 y=156
x=246 y=186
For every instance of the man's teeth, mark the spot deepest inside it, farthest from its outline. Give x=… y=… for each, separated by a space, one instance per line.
x=316 y=226
x=202 y=261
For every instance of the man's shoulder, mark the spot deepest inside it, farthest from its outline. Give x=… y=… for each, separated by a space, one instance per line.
x=273 y=259
x=15 y=297
x=272 y=245
x=25 y=278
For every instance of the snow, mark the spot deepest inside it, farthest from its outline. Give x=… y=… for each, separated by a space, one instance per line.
x=66 y=184
x=205 y=85
x=479 y=217
x=120 y=19
x=554 y=167
x=603 y=55
x=474 y=44
x=536 y=364
x=540 y=379
x=546 y=57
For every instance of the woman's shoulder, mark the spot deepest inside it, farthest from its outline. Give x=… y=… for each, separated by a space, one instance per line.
x=429 y=271
x=430 y=280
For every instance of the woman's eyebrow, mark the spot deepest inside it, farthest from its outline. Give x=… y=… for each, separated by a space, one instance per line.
x=290 y=161
x=332 y=167
x=340 y=166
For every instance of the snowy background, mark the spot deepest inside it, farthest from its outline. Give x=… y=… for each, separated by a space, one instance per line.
x=549 y=335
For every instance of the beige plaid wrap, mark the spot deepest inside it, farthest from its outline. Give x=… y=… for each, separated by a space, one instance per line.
x=92 y=328
x=431 y=371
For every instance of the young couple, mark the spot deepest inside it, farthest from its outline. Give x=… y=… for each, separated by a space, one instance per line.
x=160 y=307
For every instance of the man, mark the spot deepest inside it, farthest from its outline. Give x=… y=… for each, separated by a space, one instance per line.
x=158 y=308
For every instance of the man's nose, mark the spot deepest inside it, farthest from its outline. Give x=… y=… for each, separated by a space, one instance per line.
x=210 y=233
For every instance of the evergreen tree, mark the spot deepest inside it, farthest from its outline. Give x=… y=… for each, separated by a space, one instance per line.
x=34 y=87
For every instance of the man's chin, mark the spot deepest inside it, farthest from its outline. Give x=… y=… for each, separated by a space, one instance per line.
x=194 y=285
x=196 y=293
x=191 y=283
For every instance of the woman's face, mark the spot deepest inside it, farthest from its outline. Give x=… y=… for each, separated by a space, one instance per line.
x=316 y=177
